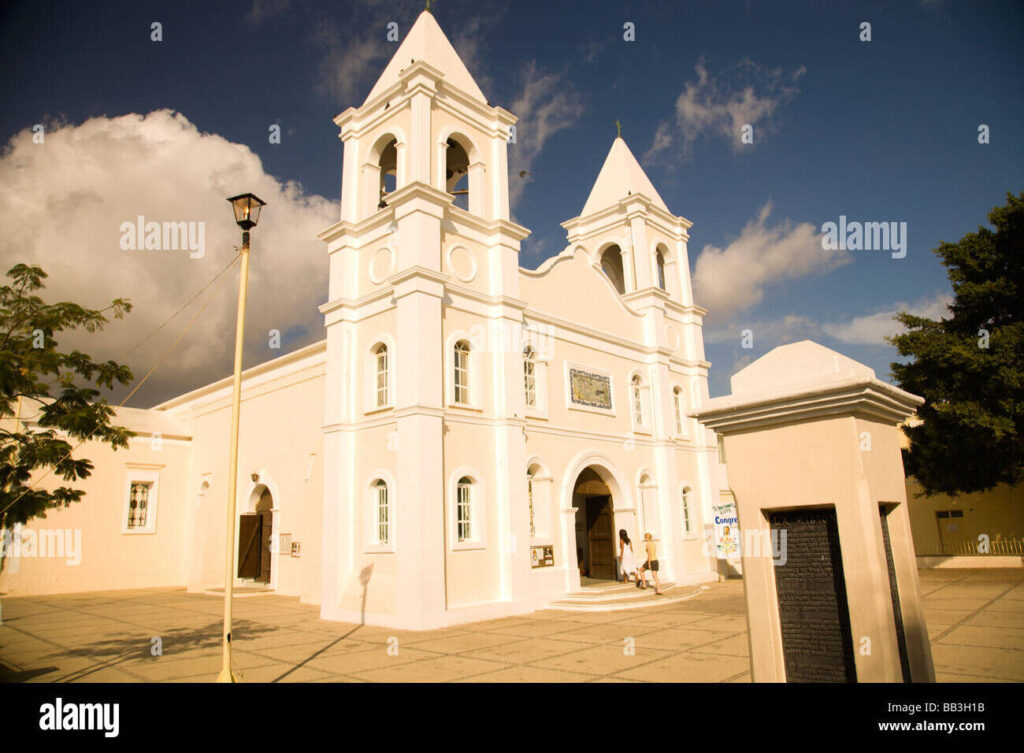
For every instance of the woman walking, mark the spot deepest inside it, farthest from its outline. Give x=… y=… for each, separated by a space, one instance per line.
x=626 y=556
x=651 y=564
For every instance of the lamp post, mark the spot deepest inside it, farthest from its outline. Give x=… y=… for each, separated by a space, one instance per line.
x=247 y=213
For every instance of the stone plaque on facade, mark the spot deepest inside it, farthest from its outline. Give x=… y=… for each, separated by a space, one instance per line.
x=590 y=389
x=813 y=612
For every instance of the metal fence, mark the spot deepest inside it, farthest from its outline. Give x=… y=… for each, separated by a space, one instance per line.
x=995 y=547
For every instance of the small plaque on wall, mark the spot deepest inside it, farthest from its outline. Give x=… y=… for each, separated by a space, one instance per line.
x=296 y=549
x=284 y=543
x=590 y=389
x=542 y=556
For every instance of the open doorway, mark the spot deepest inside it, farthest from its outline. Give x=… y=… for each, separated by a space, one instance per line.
x=254 y=536
x=595 y=529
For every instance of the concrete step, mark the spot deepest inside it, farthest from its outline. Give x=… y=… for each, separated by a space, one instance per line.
x=670 y=595
x=591 y=594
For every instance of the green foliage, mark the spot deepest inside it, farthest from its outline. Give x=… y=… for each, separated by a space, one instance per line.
x=56 y=389
x=972 y=435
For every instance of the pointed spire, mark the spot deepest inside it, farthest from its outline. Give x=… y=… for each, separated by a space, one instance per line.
x=620 y=176
x=425 y=41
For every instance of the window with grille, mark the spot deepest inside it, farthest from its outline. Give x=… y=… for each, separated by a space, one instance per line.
x=464 y=514
x=529 y=495
x=686 y=511
x=638 y=402
x=461 y=372
x=383 y=512
x=660 y=258
x=677 y=398
x=138 y=504
x=530 y=376
x=382 y=375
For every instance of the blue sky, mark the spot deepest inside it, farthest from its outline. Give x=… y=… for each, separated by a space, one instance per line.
x=885 y=130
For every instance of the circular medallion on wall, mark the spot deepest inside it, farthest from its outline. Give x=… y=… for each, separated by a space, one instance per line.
x=462 y=263
x=382 y=265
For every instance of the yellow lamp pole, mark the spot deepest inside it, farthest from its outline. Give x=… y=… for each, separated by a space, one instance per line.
x=247 y=211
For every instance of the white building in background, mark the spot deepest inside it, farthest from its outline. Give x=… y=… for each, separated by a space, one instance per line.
x=470 y=435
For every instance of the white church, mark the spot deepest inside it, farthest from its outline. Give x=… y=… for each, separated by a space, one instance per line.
x=469 y=436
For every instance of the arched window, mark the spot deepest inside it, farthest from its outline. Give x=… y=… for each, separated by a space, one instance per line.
x=382 y=512
x=464 y=509
x=460 y=376
x=677 y=402
x=388 y=171
x=636 y=387
x=687 y=530
x=529 y=495
x=659 y=259
x=530 y=376
x=381 y=356
x=611 y=264
x=457 y=173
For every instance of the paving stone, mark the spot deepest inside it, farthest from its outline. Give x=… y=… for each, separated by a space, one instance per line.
x=688 y=667
x=441 y=669
x=528 y=674
x=602 y=660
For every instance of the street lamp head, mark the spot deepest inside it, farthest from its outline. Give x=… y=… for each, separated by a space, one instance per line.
x=247 y=209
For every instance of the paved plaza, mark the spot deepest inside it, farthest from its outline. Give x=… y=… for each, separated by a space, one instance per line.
x=975 y=618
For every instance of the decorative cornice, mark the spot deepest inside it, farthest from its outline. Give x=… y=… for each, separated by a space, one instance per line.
x=856 y=396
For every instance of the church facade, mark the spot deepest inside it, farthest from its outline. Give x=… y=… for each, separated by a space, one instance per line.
x=470 y=436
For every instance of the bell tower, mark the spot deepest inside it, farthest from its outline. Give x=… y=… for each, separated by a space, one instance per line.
x=424 y=221
x=426 y=121
x=637 y=241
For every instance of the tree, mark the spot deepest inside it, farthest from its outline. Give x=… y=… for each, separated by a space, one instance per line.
x=56 y=389
x=970 y=367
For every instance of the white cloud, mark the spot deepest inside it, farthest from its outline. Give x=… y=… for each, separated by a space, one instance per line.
x=734 y=278
x=546 y=104
x=721 y=104
x=62 y=204
x=872 y=329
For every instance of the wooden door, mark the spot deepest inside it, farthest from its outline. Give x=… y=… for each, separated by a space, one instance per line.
x=249 y=539
x=599 y=535
x=266 y=525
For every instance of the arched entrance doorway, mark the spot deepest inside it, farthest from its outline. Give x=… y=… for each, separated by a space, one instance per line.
x=595 y=526
x=254 y=536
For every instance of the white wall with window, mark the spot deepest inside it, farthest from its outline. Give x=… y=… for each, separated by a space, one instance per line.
x=467 y=510
x=535 y=382
x=539 y=490
x=680 y=421
x=686 y=510
x=647 y=506
x=379 y=375
x=379 y=513
x=142 y=491
x=639 y=403
x=464 y=369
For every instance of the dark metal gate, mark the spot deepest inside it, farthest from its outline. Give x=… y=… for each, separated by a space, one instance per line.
x=816 y=640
